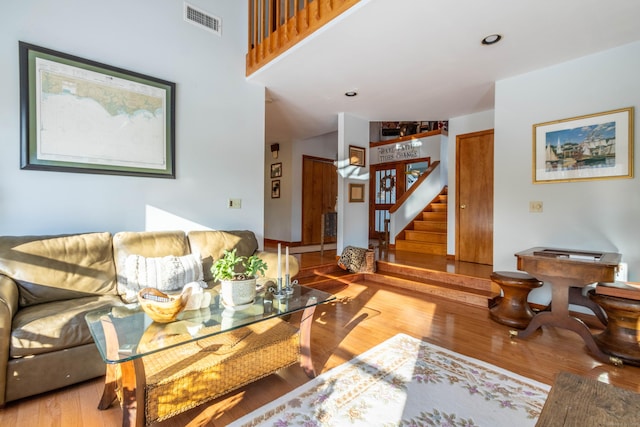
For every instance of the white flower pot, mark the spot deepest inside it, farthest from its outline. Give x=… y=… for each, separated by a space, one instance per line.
x=238 y=292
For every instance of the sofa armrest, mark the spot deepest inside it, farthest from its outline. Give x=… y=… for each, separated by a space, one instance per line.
x=271 y=258
x=8 y=307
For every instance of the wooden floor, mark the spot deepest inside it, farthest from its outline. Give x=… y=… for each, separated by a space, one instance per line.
x=365 y=315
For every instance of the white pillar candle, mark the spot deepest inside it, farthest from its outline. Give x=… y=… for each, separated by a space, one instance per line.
x=279 y=261
x=286 y=271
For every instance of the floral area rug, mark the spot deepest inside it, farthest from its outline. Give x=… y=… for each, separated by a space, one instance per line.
x=407 y=382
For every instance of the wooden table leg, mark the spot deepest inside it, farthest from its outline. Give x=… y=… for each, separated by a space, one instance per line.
x=306 y=362
x=133 y=385
x=559 y=317
x=132 y=380
x=110 y=384
x=577 y=298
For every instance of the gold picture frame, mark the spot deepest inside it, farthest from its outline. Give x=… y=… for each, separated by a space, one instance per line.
x=593 y=146
x=357 y=156
x=356 y=193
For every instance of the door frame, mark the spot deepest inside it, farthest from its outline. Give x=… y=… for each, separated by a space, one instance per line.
x=459 y=202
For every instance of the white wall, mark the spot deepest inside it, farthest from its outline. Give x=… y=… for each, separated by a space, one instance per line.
x=597 y=215
x=219 y=119
x=277 y=211
x=353 y=217
x=459 y=126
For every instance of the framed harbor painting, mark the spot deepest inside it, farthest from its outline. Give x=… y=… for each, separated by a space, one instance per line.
x=595 y=146
x=79 y=115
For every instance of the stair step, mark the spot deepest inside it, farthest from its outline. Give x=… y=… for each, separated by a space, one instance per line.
x=328 y=280
x=421 y=247
x=439 y=289
x=476 y=291
x=418 y=273
x=438 y=207
x=437 y=226
x=434 y=216
x=425 y=236
x=321 y=270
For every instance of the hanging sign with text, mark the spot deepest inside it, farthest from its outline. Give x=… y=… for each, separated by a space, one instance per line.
x=396 y=152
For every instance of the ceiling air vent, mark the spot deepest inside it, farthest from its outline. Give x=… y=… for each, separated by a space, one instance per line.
x=202 y=19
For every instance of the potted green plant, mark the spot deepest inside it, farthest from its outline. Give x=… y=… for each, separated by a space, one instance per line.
x=237 y=276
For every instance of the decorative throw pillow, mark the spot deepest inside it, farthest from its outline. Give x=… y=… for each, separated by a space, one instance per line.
x=352 y=259
x=169 y=273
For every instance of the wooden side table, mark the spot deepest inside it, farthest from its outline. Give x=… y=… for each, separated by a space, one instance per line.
x=512 y=308
x=565 y=269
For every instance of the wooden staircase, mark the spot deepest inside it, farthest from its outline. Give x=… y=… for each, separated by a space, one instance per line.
x=427 y=233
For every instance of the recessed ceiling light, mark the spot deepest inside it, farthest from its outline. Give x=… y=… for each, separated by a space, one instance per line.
x=351 y=93
x=492 y=39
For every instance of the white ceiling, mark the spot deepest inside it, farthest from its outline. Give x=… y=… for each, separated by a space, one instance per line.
x=423 y=60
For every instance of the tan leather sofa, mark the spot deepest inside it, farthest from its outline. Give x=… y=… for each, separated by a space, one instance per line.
x=48 y=284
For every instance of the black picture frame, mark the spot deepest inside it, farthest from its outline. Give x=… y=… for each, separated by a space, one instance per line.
x=275 y=189
x=276 y=170
x=83 y=116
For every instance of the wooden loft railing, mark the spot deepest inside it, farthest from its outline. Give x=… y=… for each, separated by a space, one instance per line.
x=277 y=25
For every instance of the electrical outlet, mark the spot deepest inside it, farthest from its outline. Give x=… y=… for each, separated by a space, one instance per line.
x=234 y=204
x=535 y=206
x=622 y=272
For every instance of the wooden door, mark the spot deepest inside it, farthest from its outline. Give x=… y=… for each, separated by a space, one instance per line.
x=474 y=196
x=319 y=195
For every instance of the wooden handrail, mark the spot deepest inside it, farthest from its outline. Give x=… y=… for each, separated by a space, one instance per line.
x=277 y=25
x=415 y=185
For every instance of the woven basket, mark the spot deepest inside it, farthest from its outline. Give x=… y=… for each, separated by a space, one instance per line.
x=189 y=375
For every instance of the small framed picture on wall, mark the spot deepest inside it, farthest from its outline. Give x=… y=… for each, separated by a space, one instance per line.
x=356 y=193
x=276 y=170
x=275 y=189
x=356 y=156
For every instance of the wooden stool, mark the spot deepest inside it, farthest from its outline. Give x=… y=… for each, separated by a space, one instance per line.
x=512 y=308
x=622 y=335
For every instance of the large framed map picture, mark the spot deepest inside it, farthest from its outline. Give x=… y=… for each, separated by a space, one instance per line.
x=79 y=115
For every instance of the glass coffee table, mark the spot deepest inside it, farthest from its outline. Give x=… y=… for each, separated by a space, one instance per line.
x=126 y=334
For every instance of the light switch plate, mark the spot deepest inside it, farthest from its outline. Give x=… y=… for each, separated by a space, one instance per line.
x=234 y=204
x=535 y=206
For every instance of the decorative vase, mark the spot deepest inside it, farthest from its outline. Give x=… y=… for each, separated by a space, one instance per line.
x=238 y=292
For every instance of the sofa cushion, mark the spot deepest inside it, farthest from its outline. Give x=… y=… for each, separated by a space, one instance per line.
x=147 y=244
x=168 y=273
x=211 y=244
x=53 y=326
x=62 y=267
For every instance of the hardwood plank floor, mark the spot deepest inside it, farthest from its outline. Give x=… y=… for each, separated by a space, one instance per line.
x=364 y=315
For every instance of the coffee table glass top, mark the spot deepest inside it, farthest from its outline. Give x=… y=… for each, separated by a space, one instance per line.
x=131 y=333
